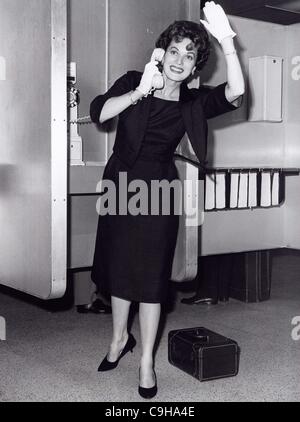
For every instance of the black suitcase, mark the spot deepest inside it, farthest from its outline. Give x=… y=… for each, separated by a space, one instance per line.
x=243 y=276
x=251 y=276
x=203 y=354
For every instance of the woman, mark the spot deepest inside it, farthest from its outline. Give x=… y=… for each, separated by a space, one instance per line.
x=134 y=253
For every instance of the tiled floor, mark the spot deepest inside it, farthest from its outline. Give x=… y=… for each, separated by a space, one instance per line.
x=53 y=356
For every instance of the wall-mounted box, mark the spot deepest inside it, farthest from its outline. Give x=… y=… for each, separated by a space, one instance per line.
x=265 y=89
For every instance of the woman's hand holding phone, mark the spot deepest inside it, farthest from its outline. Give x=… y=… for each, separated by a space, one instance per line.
x=152 y=77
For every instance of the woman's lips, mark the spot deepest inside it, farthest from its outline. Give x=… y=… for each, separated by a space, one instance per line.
x=177 y=70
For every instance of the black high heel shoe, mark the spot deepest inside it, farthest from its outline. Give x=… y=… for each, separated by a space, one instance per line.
x=148 y=393
x=105 y=365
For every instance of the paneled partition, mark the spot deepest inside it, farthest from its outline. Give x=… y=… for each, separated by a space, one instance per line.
x=33 y=147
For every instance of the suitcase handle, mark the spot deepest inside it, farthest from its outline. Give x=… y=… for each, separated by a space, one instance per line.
x=202 y=338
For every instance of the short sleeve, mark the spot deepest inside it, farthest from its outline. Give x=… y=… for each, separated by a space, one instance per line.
x=120 y=87
x=214 y=101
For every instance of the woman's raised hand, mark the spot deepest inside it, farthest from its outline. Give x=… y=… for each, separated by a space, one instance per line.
x=152 y=77
x=217 y=23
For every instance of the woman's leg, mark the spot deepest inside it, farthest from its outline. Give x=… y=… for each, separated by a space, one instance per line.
x=120 y=312
x=149 y=320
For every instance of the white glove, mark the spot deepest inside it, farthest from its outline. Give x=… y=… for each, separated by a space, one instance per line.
x=217 y=22
x=152 y=77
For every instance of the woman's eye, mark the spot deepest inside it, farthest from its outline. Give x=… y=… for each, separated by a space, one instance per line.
x=190 y=58
x=173 y=52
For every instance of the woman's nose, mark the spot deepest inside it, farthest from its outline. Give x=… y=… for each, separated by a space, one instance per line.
x=179 y=60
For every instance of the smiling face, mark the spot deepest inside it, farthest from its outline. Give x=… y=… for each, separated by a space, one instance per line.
x=179 y=60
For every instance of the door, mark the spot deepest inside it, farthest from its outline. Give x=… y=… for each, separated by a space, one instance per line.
x=33 y=147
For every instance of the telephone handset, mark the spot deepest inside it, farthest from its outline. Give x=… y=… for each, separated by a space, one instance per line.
x=158 y=80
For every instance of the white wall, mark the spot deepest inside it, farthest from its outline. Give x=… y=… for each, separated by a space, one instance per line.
x=235 y=142
x=86 y=42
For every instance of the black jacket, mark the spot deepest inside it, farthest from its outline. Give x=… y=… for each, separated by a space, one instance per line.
x=196 y=105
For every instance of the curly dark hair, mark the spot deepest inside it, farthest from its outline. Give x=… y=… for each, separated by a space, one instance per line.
x=196 y=32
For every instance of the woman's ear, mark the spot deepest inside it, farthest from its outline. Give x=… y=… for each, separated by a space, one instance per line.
x=194 y=70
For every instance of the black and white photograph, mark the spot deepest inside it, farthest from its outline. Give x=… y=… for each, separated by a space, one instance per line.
x=149 y=203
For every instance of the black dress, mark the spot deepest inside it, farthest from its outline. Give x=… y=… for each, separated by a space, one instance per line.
x=134 y=253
